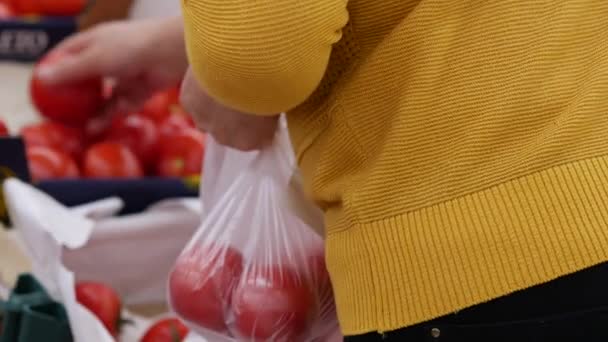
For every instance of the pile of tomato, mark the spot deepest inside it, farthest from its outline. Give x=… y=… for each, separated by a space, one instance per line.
x=214 y=288
x=79 y=139
x=103 y=302
x=14 y=8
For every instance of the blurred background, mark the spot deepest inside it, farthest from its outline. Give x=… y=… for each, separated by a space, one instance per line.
x=98 y=202
x=25 y=37
x=15 y=106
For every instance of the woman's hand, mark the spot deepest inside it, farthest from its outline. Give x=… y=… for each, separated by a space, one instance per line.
x=229 y=127
x=141 y=57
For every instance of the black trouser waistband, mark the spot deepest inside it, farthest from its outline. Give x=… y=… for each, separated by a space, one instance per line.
x=572 y=308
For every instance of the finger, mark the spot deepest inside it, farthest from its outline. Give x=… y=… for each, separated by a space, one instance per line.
x=129 y=95
x=72 y=68
x=75 y=43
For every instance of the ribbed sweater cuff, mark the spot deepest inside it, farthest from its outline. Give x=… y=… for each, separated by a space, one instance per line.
x=424 y=264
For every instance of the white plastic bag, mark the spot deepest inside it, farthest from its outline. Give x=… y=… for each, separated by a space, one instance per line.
x=254 y=271
x=46 y=227
x=132 y=254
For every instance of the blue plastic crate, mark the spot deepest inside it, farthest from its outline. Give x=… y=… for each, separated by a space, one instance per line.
x=136 y=194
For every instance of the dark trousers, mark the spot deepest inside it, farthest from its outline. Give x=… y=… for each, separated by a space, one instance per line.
x=572 y=308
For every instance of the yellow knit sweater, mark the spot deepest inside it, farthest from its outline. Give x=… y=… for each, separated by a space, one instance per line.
x=458 y=148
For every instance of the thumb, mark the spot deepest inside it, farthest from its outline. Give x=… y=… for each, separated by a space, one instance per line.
x=70 y=68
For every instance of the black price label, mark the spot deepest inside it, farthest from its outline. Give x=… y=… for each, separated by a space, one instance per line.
x=27 y=41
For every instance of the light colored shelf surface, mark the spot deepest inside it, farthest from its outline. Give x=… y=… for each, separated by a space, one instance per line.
x=155 y=8
x=12 y=260
x=15 y=106
x=15 y=111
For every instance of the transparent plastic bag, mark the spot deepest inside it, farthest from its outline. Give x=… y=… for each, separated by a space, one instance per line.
x=254 y=271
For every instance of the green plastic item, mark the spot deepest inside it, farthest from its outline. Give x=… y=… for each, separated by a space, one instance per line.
x=11 y=319
x=30 y=315
x=28 y=291
x=46 y=322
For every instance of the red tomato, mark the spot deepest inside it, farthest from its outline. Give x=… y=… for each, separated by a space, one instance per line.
x=71 y=104
x=55 y=135
x=24 y=7
x=181 y=154
x=108 y=90
x=137 y=132
x=272 y=303
x=3 y=129
x=160 y=105
x=175 y=123
x=97 y=128
x=103 y=302
x=111 y=160
x=201 y=284
x=6 y=11
x=47 y=163
x=62 y=7
x=166 y=330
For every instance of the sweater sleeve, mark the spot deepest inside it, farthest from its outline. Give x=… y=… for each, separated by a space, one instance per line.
x=261 y=56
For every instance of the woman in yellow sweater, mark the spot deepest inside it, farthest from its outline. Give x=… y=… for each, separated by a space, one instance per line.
x=458 y=149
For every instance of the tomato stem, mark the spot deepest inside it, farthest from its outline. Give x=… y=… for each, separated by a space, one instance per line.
x=179 y=164
x=121 y=322
x=175 y=337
